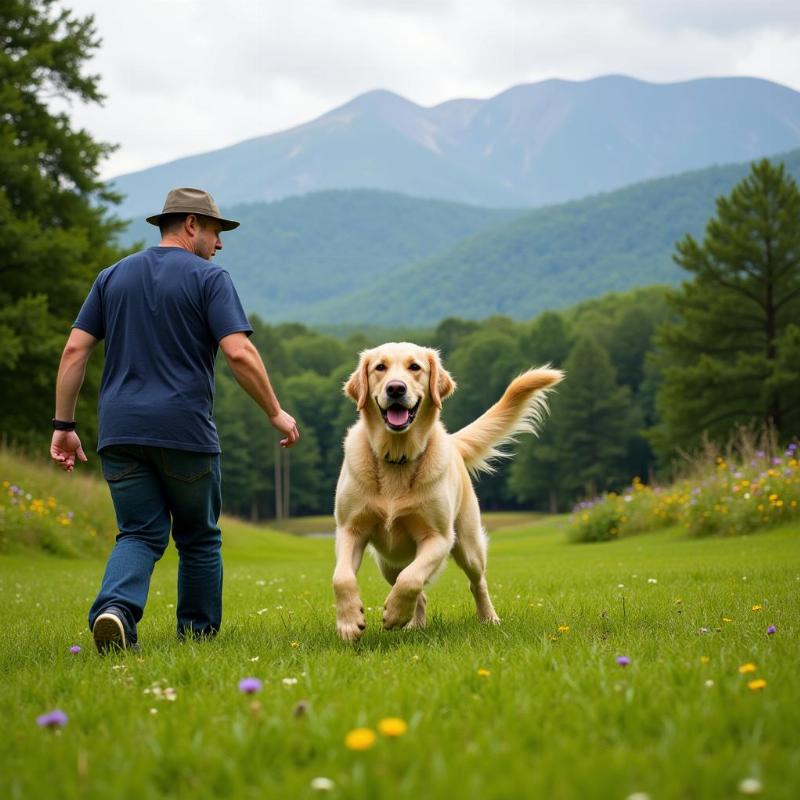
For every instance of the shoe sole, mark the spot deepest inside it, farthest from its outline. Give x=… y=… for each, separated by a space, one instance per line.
x=109 y=633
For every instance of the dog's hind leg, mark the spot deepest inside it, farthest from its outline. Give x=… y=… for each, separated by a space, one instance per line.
x=390 y=572
x=469 y=552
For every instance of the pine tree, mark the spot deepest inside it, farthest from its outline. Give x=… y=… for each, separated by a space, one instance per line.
x=55 y=232
x=731 y=357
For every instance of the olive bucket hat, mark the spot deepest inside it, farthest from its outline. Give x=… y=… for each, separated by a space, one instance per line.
x=192 y=201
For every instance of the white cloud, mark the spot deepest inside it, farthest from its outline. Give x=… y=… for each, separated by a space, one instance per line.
x=186 y=76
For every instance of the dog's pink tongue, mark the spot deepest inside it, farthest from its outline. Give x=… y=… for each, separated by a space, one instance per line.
x=397 y=415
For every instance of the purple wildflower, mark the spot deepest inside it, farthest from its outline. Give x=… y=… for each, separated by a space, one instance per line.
x=776 y=461
x=772 y=629
x=250 y=685
x=760 y=453
x=623 y=661
x=75 y=649
x=54 y=719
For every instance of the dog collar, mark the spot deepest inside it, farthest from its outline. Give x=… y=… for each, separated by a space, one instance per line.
x=401 y=460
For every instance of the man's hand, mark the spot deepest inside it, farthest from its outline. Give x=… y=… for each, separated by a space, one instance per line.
x=286 y=424
x=64 y=447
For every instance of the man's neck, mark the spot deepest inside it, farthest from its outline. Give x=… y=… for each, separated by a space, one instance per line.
x=176 y=240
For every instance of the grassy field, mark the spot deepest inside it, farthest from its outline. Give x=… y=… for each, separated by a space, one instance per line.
x=536 y=707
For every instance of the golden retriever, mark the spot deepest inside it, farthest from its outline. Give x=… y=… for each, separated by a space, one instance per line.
x=404 y=487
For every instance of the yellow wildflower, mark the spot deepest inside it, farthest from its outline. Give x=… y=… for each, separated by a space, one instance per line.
x=360 y=739
x=756 y=608
x=484 y=673
x=392 y=727
x=756 y=685
x=563 y=628
x=745 y=668
x=705 y=659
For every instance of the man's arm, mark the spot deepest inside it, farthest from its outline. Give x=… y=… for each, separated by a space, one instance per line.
x=249 y=370
x=65 y=446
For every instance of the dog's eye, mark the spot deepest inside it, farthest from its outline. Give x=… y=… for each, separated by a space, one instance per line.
x=380 y=368
x=414 y=367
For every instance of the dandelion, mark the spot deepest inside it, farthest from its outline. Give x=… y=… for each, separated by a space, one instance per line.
x=744 y=669
x=392 y=727
x=750 y=786
x=75 y=649
x=757 y=685
x=728 y=619
x=772 y=629
x=250 y=685
x=484 y=673
x=53 y=719
x=756 y=608
x=322 y=784
x=623 y=661
x=360 y=739
x=294 y=645
x=563 y=628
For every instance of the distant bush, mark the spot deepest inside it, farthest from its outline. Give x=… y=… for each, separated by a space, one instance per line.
x=45 y=509
x=728 y=496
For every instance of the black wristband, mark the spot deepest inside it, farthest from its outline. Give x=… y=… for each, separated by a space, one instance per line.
x=60 y=425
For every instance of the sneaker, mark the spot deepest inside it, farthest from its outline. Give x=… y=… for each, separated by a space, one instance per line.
x=111 y=632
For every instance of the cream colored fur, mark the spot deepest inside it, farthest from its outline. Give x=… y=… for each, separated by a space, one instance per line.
x=408 y=494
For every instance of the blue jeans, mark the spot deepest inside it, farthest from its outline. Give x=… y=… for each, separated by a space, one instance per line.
x=155 y=489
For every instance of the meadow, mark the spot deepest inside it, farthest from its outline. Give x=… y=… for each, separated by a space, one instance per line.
x=630 y=668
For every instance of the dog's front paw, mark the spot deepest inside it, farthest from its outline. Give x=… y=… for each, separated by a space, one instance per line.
x=350 y=624
x=399 y=608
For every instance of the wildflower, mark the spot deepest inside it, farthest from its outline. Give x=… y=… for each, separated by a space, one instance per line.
x=728 y=619
x=772 y=629
x=623 y=661
x=392 y=727
x=484 y=673
x=709 y=683
x=322 y=784
x=75 y=649
x=705 y=659
x=750 y=786
x=563 y=628
x=294 y=645
x=757 y=685
x=250 y=685
x=756 y=608
x=745 y=668
x=53 y=719
x=289 y=681
x=652 y=580
x=153 y=711
x=360 y=739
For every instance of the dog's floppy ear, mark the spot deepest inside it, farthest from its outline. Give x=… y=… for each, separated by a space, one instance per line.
x=442 y=385
x=357 y=386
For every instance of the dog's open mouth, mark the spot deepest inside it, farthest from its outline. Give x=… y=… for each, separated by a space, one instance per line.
x=397 y=417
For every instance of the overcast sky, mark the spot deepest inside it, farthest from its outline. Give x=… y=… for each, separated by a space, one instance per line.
x=188 y=76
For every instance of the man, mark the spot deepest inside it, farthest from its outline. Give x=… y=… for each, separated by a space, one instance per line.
x=163 y=313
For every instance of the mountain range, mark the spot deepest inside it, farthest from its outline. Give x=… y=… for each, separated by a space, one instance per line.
x=379 y=258
x=532 y=145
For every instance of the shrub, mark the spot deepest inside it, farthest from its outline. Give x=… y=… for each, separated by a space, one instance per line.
x=752 y=488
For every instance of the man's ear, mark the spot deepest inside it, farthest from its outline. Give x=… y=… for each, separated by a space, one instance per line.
x=442 y=385
x=357 y=386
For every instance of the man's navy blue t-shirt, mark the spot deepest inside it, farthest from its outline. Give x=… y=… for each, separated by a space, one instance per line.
x=162 y=313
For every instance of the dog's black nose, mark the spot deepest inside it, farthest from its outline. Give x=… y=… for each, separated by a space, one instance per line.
x=395 y=389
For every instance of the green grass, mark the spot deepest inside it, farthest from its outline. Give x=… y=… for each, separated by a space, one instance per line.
x=556 y=718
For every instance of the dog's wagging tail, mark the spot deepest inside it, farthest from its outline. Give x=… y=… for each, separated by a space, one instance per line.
x=520 y=410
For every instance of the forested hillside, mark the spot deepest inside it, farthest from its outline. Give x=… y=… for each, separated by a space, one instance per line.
x=290 y=255
x=378 y=258
x=552 y=257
